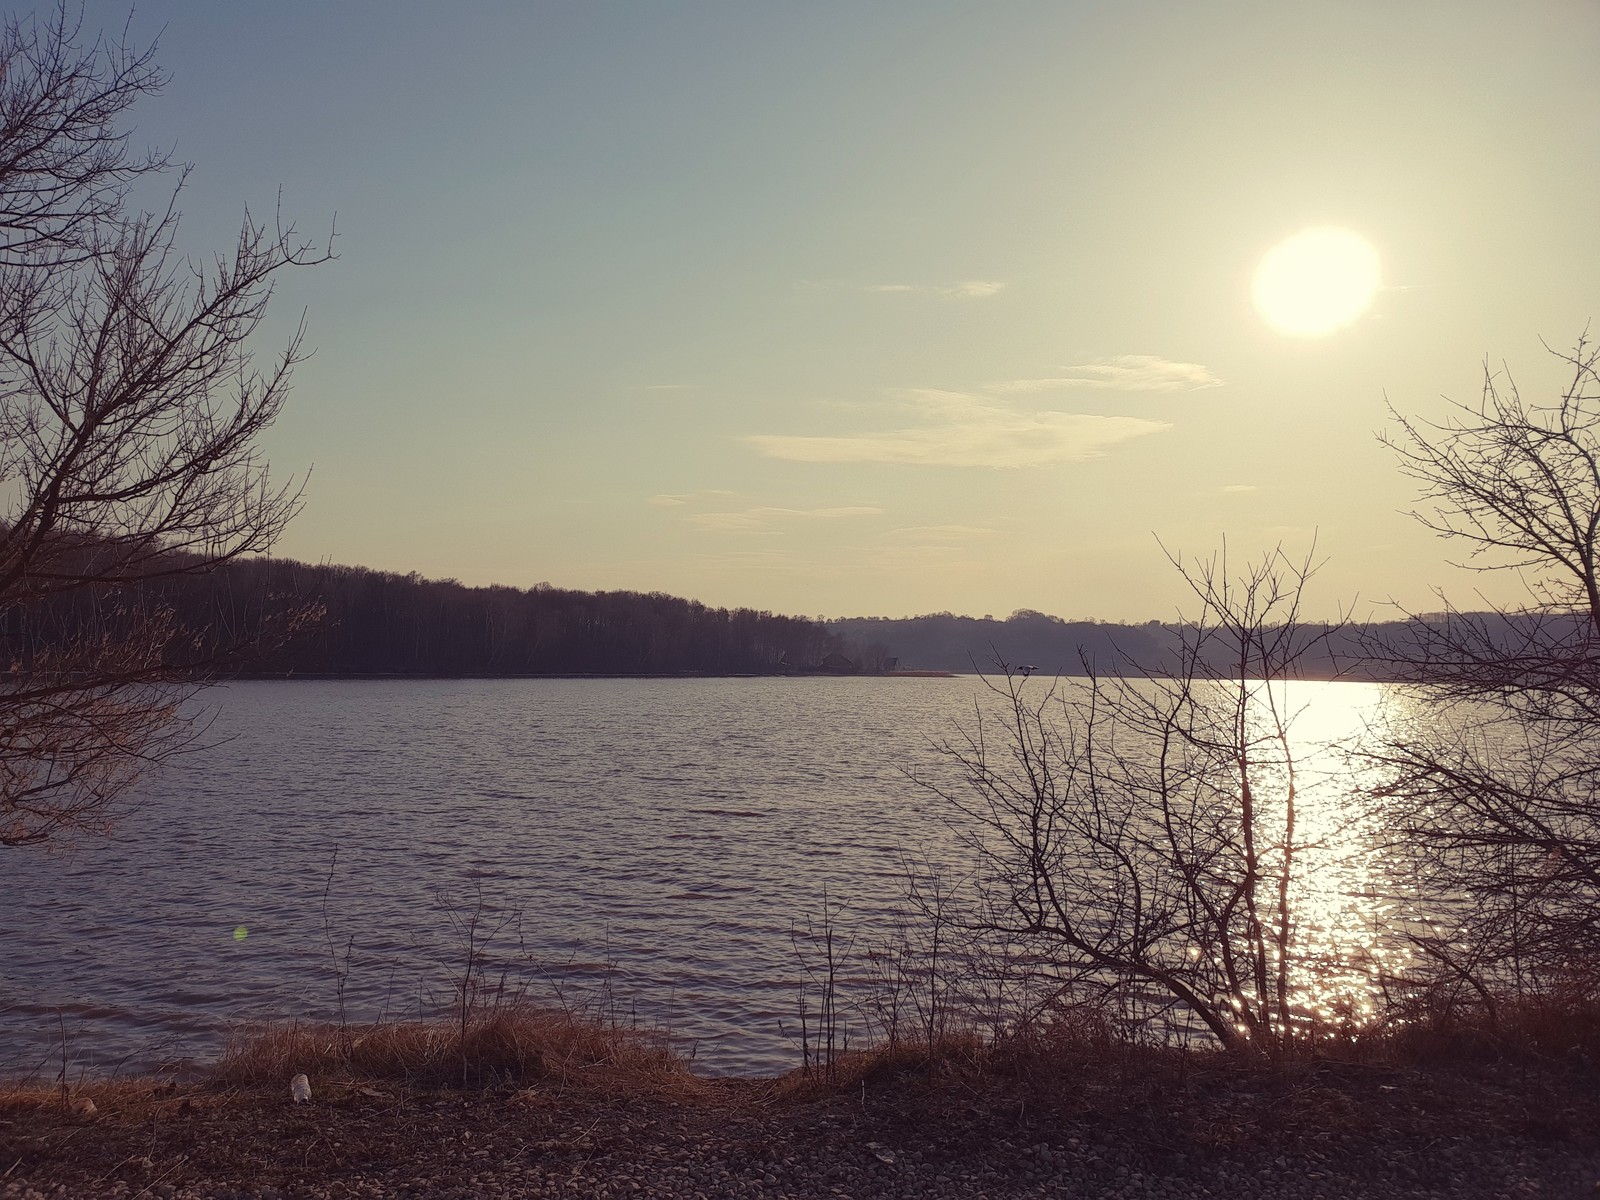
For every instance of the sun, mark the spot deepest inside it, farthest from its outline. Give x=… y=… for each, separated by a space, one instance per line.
x=1316 y=282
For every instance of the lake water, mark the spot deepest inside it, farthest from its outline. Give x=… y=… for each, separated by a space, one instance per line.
x=656 y=838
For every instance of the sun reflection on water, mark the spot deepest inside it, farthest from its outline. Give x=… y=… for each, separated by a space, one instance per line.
x=1346 y=902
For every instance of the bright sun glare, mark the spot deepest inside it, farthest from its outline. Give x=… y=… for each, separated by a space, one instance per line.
x=1316 y=282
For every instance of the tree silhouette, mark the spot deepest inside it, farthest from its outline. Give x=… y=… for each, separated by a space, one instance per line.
x=130 y=405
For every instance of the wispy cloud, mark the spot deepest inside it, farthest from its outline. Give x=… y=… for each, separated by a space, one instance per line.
x=1239 y=487
x=729 y=520
x=942 y=533
x=971 y=289
x=765 y=519
x=964 y=430
x=1124 y=373
x=675 y=500
x=975 y=289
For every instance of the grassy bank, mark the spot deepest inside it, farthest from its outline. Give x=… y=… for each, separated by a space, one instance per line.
x=555 y=1106
x=525 y=1047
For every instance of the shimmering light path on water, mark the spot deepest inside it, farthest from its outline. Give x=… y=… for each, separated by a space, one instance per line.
x=674 y=828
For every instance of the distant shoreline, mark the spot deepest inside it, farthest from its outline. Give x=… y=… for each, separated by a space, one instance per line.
x=290 y=676
x=905 y=673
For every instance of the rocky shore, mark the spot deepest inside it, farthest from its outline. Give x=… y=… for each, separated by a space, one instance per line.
x=1325 y=1130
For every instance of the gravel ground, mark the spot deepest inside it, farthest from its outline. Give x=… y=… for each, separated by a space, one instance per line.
x=1333 y=1132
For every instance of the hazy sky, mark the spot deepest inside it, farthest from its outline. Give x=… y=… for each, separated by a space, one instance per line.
x=884 y=308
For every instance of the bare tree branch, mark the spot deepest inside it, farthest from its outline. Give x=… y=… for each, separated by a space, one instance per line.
x=1139 y=832
x=1499 y=779
x=131 y=404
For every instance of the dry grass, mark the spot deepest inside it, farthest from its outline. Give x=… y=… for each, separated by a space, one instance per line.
x=523 y=1045
x=1053 y=1057
x=137 y=1096
x=955 y=1054
x=1441 y=1028
x=514 y=1044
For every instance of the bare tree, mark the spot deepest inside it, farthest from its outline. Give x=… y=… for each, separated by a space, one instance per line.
x=130 y=405
x=1141 y=833
x=1500 y=780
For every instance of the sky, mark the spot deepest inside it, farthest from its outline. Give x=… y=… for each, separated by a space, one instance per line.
x=856 y=309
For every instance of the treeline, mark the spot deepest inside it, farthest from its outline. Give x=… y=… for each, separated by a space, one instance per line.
x=271 y=617
x=1383 y=651
x=947 y=642
x=275 y=617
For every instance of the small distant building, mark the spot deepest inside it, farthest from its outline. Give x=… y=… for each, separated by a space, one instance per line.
x=838 y=664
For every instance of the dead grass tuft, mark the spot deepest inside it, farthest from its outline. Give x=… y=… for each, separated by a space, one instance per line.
x=508 y=1045
x=105 y=1096
x=18 y=1098
x=891 y=1065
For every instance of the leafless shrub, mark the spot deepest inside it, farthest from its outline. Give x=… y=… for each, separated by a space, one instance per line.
x=1138 y=838
x=822 y=951
x=919 y=978
x=1497 y=782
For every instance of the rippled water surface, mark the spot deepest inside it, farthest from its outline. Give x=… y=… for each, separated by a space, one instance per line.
x=671 y=828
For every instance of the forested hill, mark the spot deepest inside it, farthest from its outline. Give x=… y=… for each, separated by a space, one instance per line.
x=1385 y=651
x=946 y=642
x=364 y=622
x=274 y=617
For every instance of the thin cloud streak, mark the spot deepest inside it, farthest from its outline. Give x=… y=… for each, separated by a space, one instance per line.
x=975 y=289
x=675 y=499
x=969 y=431
x=942 y=533
x=1124 y=373
x=971 y=289
x=738 y=522
x=764 y=519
